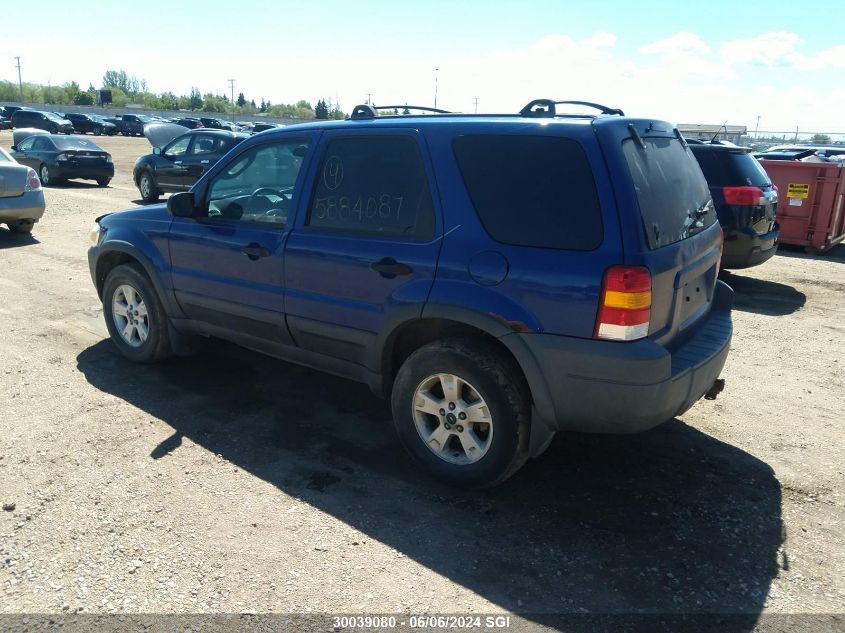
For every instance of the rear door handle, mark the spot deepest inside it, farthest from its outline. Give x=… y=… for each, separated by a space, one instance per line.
x=204 y=162
x=255 y=251
x=389 y=268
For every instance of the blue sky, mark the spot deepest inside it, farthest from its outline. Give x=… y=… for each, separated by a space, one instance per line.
x=687 y=62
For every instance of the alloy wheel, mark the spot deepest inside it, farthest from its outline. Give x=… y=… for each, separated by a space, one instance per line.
x=129 y=313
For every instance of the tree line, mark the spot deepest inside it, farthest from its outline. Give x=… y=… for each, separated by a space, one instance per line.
x=127 y=89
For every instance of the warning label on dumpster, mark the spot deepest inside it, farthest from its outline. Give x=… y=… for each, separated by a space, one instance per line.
x=798 y=190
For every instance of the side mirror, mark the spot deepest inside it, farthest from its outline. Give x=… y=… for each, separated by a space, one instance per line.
x=156 y=151
x=14 y=148
x=181 y=205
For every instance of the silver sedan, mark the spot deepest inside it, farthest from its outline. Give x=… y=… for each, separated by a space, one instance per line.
x=21 y=196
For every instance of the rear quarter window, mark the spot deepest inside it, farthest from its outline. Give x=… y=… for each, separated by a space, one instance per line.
x=535 y=191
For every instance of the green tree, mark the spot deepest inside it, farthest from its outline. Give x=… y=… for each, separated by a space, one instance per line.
x=84 y=99
x=321 y=111
x=241 y=100
x=195 y=100
x=820 y=138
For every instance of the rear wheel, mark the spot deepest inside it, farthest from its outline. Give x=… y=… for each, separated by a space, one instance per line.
x=462 y=410
x=46 y=177
x=21 y=226
x=103 y=182
x=134 y=315
x=53 y=129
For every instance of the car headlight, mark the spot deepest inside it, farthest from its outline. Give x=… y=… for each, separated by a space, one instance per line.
x=96 y=234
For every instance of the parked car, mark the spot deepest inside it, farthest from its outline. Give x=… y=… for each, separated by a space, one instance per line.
x=132 y=124
x=745 y=200
x=786 y=154
x=215 y=124
x=57 y=159
x=21 y=197
x=179 y=157
x=8 y=111
x=559 y=272
x=5 y=124
x=109 y=128
x=87 y=123
x=262 y=127
x=43 y=120
x=191 y=124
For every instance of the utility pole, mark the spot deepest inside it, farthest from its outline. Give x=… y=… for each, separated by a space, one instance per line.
x=369 y=98
x=232 y=91
x=475 y=102
x=757 y=127
x=20 y=83
x=436 y=70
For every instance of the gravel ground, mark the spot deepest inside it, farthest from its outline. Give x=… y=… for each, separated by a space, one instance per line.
x=231 y=482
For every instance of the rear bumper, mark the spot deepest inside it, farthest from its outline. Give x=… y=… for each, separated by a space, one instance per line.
x=84 y=172
x=607 y=387
x=29 y=206
x=747 y=248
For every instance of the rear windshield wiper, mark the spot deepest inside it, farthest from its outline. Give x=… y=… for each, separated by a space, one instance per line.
x=636 y=135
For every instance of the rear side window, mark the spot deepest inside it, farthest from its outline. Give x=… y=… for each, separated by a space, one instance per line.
x=373 y=185
x=532 y=190
x=671 y=190
x=730 y=169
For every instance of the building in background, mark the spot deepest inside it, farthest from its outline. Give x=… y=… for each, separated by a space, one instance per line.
x=704 y=131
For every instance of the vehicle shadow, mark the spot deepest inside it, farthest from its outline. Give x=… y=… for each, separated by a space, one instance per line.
x=143 y=203
x=762 y=296
x=671 y=522
x=9 y=239
x=836 y=254
x=75 y=184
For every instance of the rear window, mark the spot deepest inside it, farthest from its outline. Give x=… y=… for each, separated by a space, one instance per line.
x=730 y=169
x=671 y=190
x=76 y=143
x=532 y=190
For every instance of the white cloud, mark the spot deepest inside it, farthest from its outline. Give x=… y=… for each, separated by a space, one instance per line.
x=830 y=58
x=767 y=49
x=682 y=43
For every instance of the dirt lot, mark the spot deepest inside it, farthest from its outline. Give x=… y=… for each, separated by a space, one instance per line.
x=232 y=482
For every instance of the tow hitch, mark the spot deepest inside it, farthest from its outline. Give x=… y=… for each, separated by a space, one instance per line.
x=715 y=389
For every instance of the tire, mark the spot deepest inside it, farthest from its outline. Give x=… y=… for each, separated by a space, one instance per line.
x=103 y=182
x=98 y=131
x=155 y=345
x=486 y=377
x=147 y=188
x=21 y=226
x=44 y=174
x=53 y=129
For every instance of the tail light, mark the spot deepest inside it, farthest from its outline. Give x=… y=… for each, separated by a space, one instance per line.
x=625 y=308
x=61 y=157
x=109 y=158
x=32 y=181
x=746 y=196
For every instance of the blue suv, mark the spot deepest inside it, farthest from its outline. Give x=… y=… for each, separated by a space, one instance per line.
x=498 y=277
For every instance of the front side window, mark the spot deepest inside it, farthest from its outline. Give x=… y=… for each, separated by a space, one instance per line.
x=259 y=185
x=207 y=144
x=26 y=144
x=178 y=147
x=373 y=185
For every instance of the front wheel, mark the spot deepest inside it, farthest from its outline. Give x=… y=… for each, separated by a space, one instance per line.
x=134 y=315
x=53 y=130
x=103 y=182
x=21 y=226
x=462 y=409
x=147 y=188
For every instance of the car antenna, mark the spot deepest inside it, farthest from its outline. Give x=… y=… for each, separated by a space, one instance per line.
x=719 y=130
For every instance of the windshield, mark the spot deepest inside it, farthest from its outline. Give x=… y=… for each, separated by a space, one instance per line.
x=54 y=117
x=673 y=195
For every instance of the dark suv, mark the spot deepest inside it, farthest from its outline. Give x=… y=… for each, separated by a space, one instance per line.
x=499 y=277
x=49 y=121
x=745 y=201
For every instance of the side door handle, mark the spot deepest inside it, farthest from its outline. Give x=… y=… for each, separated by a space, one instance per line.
x=255 y=251
x=204 y=162
x=389 y=268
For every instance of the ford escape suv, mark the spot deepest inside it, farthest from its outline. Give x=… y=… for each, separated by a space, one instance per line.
x=498 y=277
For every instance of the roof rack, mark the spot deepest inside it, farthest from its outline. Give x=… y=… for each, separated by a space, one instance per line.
x=368 y=111
x=546 y=108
